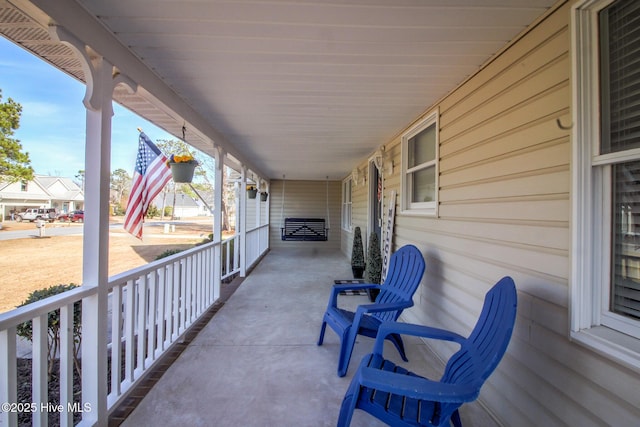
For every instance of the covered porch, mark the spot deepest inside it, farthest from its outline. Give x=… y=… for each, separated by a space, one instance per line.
x=256 y=362
x=475 y=121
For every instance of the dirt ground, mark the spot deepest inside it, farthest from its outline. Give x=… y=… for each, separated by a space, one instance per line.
x=34 y=263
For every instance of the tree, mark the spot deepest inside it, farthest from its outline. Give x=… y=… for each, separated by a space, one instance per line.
x=15 y=164
x=120 y=182
x=80 y=176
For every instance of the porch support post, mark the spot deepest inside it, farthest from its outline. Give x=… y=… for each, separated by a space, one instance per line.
x=242 y=222
x=101 y=78
x=218 y=181
x=267 y=220
x=95 y=259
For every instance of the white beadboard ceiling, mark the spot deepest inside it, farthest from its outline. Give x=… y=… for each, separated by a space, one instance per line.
x=302 y=88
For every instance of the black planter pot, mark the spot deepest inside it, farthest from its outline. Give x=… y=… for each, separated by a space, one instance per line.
x=358 y=272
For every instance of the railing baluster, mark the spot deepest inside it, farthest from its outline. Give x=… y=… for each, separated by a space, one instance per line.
x=142 y=318
x=8 y=371
x=161 y=321
x=116 y=340
x=183 y=295
x=39 y=390
x=67 y=326
x=151 y=317
x=177 y=296
x=199 y=282
x=129 y=331
x=209 y=277
x=189 y=292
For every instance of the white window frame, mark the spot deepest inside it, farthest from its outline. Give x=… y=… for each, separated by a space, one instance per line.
x=592 y=324
x=347 y=204
x=421 y=208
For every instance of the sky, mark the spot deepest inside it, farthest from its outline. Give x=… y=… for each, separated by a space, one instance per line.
x=52 y=124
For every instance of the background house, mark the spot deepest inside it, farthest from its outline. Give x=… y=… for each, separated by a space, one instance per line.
x=42 y=192
x=184 y=206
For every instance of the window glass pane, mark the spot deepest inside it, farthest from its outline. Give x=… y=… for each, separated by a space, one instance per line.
x=423 y=185
x=620 y=74
x=625 y=290
x=422 y=147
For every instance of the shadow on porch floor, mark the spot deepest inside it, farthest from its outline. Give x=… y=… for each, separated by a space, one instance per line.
x=255 y=361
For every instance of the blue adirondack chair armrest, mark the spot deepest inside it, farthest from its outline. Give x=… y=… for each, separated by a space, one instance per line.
x=388 y=328
x=417 y=387
x=387 y=306
x=335 y=291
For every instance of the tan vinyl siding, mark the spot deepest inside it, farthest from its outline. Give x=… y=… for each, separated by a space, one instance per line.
x=505 y=209
x=305 y=199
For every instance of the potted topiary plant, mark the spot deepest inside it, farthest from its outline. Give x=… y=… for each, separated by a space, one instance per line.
x=357 y=255
x=373 y=271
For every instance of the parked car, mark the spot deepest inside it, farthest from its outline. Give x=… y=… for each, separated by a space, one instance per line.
x=33 y=214
x=76 y=216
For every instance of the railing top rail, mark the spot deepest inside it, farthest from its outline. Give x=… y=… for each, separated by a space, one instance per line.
x=38 y=308
x=154 y=265
x=257 y=227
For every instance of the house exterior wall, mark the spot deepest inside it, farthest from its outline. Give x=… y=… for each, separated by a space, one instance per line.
x=305 y=199
x=505 y=209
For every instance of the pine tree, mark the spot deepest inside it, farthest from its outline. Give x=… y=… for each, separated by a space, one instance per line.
x=15 y=164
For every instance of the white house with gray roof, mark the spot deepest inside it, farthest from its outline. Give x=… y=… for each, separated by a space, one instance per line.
x=41 y=192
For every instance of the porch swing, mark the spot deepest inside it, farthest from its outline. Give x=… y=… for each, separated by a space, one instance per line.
x=304 y=229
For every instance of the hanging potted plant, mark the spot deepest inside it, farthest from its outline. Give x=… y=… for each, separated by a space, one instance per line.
x=373 y=271
x=252 y=191
x=263 y=196
x=182 y=168
x=357 y=255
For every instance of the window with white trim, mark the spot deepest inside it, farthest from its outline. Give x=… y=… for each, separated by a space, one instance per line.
x=420 y=167
x=605 y=292
x=346 y=203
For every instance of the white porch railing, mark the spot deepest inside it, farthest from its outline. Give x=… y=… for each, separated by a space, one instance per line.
x=149 y=307
x=257 y=243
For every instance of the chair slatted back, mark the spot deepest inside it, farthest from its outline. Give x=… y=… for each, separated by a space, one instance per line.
x=481 y=353
x=406 y=267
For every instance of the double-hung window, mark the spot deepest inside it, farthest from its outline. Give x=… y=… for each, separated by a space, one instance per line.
x=420 y=167
x=605 y=293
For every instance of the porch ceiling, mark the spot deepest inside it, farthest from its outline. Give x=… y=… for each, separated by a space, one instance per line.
x=302 y=88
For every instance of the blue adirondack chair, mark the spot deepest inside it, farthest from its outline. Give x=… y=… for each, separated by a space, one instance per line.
x=406 y=267
x=402 y=398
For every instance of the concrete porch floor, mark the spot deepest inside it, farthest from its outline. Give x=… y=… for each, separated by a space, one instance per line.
x=256 y=362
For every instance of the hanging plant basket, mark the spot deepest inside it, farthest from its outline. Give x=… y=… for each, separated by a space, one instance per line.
x=252 y=192
x=182 y=172
x=263 y=197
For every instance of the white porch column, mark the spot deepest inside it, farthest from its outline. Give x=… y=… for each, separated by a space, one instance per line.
x=218 y=181
x=242 y=222
x=267 y=219
x=101 y=78
x=95 y=261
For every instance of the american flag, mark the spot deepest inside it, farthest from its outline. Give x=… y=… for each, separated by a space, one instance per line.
x=150 y=175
